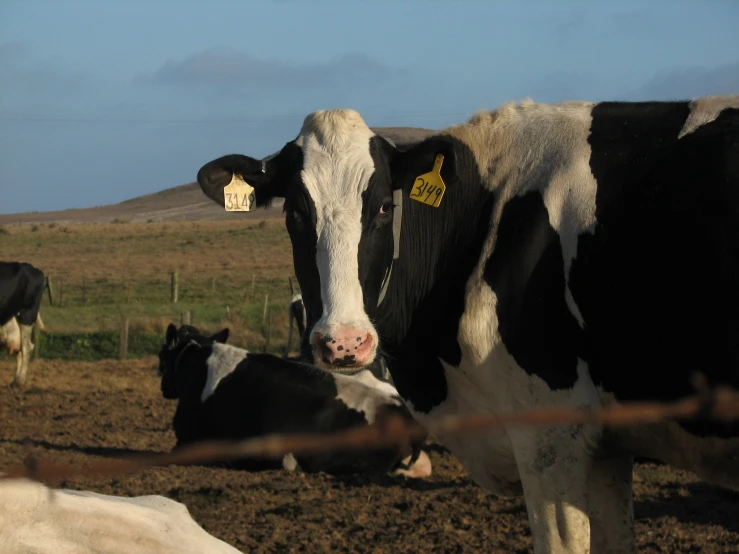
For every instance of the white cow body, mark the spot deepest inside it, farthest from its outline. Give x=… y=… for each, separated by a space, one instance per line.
x=36 y=519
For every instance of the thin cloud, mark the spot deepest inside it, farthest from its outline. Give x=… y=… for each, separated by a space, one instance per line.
x=230 y=68
x=691 y=82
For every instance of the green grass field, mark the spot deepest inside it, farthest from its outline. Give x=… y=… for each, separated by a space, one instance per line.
x=100 y=273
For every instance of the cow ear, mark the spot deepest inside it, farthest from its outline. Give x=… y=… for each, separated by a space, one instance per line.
x=171 y=336
x=419 y=159
x=269 y=177
x=221 y=336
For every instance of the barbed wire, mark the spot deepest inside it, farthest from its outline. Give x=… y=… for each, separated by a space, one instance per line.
x=720 y=404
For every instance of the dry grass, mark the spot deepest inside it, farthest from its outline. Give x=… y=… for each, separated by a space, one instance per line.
x=91 y=267
x=226 y=250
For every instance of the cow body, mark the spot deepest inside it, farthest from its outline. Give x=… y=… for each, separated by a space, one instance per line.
x=226 y=392
x=34 y=518
x=21 y=291
x=583 y=254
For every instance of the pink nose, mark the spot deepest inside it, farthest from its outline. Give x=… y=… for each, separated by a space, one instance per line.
x=344 y=348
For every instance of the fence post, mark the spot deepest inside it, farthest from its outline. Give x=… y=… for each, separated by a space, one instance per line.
x=128 y=292
x=252 y=287
x=48 y=289
x=185 y=318
x=264 y=315
x=124 y=339
x=174 y=287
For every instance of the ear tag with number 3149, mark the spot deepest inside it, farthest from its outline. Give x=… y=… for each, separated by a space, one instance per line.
x=238 y=195
x=429 y=188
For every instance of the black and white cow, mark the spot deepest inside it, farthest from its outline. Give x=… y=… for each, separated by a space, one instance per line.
x=225 y=392
x=21 y=291
x=582 y=254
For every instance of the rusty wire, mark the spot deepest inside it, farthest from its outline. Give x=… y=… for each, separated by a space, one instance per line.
x=721 y=404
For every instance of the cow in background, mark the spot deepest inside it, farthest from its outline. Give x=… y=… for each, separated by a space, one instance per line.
x=34 y=518
x=225 y=392
x=21 y=290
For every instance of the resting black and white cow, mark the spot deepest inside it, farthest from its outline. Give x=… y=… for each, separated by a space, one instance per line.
x=225 y=392
x=581 y=254
x=21 y=291
x=34 y=518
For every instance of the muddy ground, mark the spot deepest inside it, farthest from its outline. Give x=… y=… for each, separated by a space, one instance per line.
x=77 y=411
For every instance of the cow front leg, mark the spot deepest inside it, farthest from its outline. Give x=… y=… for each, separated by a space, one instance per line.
x=612 y=506
x=24 y=354
x=554 y=468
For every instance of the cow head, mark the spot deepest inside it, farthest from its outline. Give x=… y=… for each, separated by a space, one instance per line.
x=176 y=341
x=342 y=185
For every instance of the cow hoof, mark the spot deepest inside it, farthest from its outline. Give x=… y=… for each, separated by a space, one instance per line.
x=289 y=463
x=18 y=384
x=421 y=468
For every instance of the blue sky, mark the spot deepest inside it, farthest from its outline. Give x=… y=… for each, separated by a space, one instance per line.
x=104 y=100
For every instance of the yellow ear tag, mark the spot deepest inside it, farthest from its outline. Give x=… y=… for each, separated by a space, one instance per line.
x=429 y=188
x=238 y=195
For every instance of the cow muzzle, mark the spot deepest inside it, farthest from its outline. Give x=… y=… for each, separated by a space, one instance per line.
x=343 y=348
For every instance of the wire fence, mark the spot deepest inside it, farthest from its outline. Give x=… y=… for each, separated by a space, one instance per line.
x=719 y=404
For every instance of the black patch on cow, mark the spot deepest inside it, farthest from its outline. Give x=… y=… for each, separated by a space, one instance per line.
x=658 y=281
x=300 y=221
x=375 y=252
x=21 y=292
x=526 y=272
x=419 y=320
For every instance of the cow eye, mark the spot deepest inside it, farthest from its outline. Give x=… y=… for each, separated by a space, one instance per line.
x=387 y=205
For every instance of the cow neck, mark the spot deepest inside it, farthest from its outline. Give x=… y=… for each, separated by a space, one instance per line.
x=433 y=258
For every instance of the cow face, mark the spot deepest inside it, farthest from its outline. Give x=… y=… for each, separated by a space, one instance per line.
x=337 y=181
x=175 y=343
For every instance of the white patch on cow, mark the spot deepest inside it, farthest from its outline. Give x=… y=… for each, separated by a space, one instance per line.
x=365 y=394
x=34 y=518
x=337 y=166
x=10 y=335
x=706 y=109
x=365 y=376
x=299 y=298
x=420 y=468
x=222 y=361
x=539 y=147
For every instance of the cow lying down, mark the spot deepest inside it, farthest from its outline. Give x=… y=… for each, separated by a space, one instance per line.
x=225 y=392
x=36 y=519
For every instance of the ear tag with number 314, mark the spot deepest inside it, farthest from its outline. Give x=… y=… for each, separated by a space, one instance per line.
x=429 y=188
x=238 y=195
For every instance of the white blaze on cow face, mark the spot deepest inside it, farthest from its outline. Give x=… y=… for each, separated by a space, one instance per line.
x=337 y=167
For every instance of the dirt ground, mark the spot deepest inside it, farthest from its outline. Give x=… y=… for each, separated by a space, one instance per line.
x=76 y=411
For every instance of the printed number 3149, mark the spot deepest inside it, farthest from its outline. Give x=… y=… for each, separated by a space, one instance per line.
x=425 y=192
